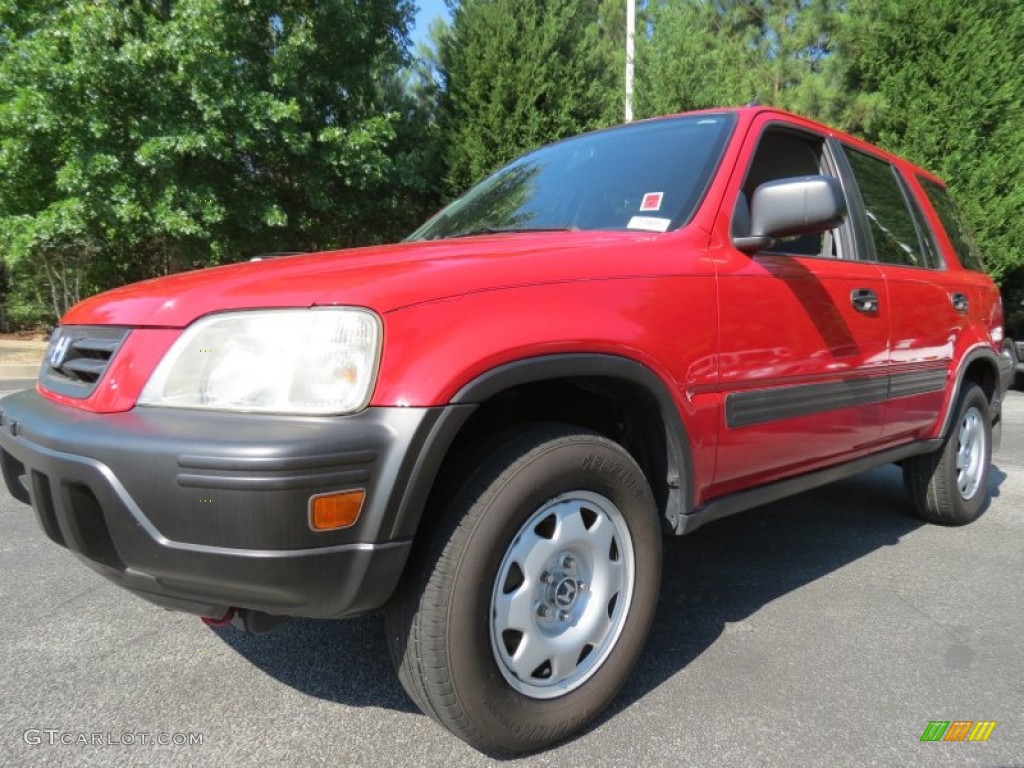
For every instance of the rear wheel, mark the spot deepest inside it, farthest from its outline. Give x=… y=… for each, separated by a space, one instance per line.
x=532 y=605
x=950 y=486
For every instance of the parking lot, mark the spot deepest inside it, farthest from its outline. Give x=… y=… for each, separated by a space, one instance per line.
x=824 y=630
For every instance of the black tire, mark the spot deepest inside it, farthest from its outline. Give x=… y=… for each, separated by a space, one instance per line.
x=950 y=486
x=523 y=486
x=1010 y=351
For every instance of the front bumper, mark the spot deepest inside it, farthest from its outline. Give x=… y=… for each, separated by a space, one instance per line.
x=201 y=511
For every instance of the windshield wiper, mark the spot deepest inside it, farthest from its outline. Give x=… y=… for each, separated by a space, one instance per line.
x=508 y=231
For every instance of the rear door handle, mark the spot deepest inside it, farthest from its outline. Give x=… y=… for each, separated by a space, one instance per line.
x=960 y=302
x=864 y=300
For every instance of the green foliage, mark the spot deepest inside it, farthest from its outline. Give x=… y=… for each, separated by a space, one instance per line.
x=519 y=74
x=139 y=138
x=709 y=54
x=942 y=83
x=147 y=136
x=28 y=306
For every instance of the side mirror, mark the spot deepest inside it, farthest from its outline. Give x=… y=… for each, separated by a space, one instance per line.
x=798 y=206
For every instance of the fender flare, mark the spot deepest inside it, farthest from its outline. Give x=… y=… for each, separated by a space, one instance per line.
x=442 y=435
x=979 y=352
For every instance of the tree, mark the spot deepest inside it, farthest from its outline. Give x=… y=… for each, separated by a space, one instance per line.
x=137 y=138
x=942 y=83
x=713 y=53
x=520 y=74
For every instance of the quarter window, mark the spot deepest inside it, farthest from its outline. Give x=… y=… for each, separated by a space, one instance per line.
x=953 y=222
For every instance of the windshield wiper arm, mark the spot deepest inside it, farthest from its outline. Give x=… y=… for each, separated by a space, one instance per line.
x=508 y=231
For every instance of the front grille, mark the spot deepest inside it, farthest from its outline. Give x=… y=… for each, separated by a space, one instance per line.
x=78 y=356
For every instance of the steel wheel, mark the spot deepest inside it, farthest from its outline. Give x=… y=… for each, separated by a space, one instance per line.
x=970 y=453
x=561 y=596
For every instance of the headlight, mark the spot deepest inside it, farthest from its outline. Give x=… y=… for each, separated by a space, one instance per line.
x=299 y=361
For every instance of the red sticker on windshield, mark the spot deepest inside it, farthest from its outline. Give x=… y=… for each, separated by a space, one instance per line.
x=652 y=201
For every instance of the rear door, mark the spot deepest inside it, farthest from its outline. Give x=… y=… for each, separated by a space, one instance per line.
x=928 y=311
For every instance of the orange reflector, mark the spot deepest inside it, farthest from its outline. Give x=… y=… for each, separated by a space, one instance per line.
x=335 y=510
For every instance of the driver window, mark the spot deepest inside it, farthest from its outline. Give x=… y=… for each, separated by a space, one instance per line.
x=783 y=154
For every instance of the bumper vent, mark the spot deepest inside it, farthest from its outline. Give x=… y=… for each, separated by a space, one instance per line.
x=78 y=356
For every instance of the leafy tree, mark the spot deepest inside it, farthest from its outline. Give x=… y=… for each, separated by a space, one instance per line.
x=520 y=74
x=942 y=83
x=138 y=138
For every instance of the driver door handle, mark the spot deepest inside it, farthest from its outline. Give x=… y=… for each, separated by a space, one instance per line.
x=864 y=300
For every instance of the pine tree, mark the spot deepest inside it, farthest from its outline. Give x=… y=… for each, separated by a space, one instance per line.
x=702 y=53
x=942 y=82
x=521 y=74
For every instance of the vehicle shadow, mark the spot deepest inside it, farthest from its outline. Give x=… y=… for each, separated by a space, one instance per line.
x=727 y=571
x=718 y=575
x=343 y=661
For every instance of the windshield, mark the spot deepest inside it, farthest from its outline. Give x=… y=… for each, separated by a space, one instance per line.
x=646 y=176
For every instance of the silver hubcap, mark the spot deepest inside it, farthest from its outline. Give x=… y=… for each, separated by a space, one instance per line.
x=970 y=453
x=562 y=594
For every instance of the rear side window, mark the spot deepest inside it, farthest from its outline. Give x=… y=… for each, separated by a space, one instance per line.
x=896 y=235
x=953 y=222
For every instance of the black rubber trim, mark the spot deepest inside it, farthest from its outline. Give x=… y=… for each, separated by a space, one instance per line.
x=566 y=366
x=863 y=245
x=352 y=477
x=422 y=463
x=999 y=368
x=14 y=474
x=755 y=497
x=745 y=409
x=266 y=464
x=917 y=383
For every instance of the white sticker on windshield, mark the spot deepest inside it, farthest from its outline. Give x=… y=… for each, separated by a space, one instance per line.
x=649 y=223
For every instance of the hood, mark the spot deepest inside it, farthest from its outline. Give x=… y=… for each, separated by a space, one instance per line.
x=383 y=278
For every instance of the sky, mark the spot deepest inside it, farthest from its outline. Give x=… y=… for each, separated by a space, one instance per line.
x=426 y=11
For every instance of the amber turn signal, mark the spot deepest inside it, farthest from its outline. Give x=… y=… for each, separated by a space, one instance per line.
x=332 y=511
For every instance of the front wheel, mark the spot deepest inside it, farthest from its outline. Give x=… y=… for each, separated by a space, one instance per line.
x=532 y=605
x=950 y=486
x=1010 y=353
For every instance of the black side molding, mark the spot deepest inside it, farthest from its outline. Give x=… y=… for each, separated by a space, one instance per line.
x=744 y=409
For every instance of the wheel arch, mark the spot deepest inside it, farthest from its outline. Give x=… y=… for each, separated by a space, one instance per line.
x=981 y=366
x=615 y=396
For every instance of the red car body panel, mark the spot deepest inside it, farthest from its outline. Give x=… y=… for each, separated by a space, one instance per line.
x=383 y=277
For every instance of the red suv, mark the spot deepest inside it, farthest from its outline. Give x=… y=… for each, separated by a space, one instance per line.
x=489 y=428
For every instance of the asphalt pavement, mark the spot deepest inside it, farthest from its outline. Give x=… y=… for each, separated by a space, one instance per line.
x=827 y=629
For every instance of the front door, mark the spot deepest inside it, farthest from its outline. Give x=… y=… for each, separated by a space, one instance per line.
x=803 y=335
